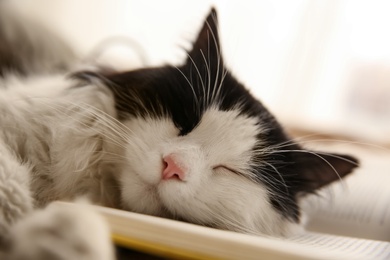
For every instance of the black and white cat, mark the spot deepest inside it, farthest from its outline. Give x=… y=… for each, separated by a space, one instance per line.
x=188 y=143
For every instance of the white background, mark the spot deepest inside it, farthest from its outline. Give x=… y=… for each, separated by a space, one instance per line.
x=318 y=65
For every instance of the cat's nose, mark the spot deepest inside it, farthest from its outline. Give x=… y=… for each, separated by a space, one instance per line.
x=171 y=169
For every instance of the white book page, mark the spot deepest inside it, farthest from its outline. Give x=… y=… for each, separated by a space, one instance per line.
x=354 y=248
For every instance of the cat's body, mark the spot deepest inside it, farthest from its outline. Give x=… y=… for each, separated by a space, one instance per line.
x=47 y=129
x=188 y=143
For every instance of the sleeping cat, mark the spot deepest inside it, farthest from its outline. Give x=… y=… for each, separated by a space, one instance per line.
x=188 y=143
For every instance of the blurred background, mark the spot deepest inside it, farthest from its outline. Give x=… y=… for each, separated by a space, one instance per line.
x=320 y=66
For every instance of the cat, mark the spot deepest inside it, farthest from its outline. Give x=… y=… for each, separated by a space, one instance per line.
x=184 y=142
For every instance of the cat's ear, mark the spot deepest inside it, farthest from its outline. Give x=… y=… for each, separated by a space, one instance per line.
x=320 y=169
x=206 y=49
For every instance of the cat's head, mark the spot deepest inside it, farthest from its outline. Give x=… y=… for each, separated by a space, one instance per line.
x=200 y=148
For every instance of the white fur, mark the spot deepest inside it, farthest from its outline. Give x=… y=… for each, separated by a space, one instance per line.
x=207 y=195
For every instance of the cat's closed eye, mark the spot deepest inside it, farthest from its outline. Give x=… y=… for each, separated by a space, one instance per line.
x=227 y=169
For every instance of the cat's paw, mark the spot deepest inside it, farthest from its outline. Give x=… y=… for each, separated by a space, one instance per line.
x=61 y=233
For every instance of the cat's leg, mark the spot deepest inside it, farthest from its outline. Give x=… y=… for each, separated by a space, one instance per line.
x=15 y=197
x=61 y=233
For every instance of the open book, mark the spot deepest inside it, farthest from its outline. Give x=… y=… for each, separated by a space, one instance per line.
x=350 y=220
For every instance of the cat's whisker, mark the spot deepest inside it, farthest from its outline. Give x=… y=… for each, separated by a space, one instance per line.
x=111 y=138
x=208 y=75
x=117 y=162
x=266 y=179
x=282 y=181
x=112 y=123
x=215 y=40
x=220 y=84
x=341 y=141
x=134 y=101
x=191 y=86
x=113 y=120
x=225 y=221
x=114 y=156
x=199 y=76
x=301 y=140
x=316 y=152
x=231 y=223
x=289 y=142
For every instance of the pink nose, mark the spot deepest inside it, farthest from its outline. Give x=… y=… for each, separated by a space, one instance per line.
x=172 y=170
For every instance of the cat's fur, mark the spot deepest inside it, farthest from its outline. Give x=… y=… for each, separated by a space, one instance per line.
x=107 y=135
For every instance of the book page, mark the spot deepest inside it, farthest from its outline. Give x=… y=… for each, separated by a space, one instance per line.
x=355 y=248
x=357 y=207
